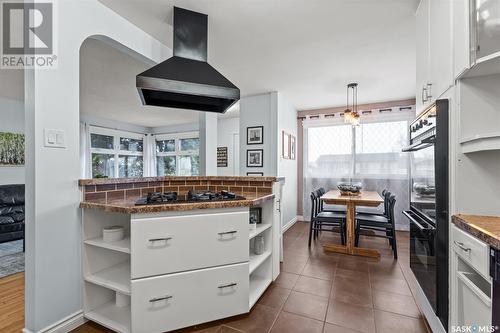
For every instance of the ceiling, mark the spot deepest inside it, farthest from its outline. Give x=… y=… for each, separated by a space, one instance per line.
x=107 y=89
x=306 y=49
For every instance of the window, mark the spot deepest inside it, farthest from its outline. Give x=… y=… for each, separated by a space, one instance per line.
x=115 y=153
x=178 y=154
x=329 y=150
x=368 y=150
x=378 y=148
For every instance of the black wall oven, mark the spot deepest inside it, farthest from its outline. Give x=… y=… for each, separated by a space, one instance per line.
x=428 y=213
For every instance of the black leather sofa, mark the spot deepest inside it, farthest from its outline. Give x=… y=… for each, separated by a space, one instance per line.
x=11 y=213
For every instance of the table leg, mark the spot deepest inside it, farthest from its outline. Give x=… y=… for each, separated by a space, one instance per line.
x=349 y=248
x=351 y=218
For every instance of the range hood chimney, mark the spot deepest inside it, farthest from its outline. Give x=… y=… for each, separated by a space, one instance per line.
x=186 y=80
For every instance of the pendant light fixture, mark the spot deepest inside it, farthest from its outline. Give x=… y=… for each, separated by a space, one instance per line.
x=351 y=115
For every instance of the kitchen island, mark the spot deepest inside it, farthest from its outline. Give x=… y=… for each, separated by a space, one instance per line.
x=179 y=263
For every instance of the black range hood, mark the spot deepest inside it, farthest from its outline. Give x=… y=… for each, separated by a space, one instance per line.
x=186 y=80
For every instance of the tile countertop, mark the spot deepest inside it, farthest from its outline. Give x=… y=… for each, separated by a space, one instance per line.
x=486 y=228
x=127 y=206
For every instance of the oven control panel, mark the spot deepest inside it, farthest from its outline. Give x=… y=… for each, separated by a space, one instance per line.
x=424 y=122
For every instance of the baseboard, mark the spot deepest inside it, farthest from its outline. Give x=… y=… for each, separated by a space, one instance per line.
x=64 y=325
x=289 y=224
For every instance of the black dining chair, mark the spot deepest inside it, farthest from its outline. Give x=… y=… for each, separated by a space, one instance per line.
x=376 y=210
x=325 y=221
x=381 y=223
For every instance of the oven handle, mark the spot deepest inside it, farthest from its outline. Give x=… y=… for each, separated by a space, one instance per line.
x=427 y=142
x=420 y=226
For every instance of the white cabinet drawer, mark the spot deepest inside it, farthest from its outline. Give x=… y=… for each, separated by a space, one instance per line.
x=163 y=245
x=471 y=250
x=165 y=303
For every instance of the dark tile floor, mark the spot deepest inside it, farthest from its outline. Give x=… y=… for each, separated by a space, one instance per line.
x=332 y=293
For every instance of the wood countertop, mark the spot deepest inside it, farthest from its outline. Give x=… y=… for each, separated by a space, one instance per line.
x=486 y=228
x=127 y=206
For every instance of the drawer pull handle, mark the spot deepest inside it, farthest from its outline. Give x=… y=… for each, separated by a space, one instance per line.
x=152 y=240
x=462 y=246
x=163 y=298
x=232 y=284
x=232 y=232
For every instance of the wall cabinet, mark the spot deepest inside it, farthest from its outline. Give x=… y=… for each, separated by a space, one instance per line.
x=461 y=37
x=434 y=70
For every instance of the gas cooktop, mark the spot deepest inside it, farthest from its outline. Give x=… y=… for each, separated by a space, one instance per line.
x=159 y=198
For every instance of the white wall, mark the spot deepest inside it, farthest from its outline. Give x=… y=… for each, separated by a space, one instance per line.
x=227 y=128
x=272 y=111
x=53 y=218
x=260 y=110
x=11 y=120
x=287 y=121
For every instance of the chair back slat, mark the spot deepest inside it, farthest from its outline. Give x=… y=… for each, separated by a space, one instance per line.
x=313 y=205
x=392 y=204
x=386 y=195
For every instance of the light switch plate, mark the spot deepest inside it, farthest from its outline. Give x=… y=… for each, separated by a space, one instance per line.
x=55 y=138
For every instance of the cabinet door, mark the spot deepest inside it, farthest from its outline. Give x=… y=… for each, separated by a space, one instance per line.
x=422 y=53
x=441 y=55
x=167 y=302
x=170 y=244
x=461 y=37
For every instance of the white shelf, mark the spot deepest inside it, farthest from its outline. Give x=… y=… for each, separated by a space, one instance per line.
x=120 y=246
x=481 y=142
x=259 y=229
x=487 y=65
x=116 y=278
x=112 y=317
x=257 y=259
x=258 y=285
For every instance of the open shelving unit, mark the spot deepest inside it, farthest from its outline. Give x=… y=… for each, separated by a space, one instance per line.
x=479 y=114
x=106 y=270
x=260 y=265
x=120 y=246
x=111 y=316
x=259 y=229
x=257 y=259
x=259 y=281
x=116 y=278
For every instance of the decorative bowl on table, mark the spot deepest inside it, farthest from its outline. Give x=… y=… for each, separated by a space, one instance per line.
x=349 y=188
x=424 y=190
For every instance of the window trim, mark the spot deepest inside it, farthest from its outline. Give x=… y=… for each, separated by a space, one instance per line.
x=116 y=151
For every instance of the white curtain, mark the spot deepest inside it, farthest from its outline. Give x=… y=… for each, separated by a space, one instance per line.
x=149 y=155
x=369 y=153
x=85 y=164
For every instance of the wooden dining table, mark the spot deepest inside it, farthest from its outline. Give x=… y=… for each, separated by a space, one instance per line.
x=365 y=198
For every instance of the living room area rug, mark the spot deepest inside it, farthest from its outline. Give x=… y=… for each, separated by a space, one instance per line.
x=11 y=258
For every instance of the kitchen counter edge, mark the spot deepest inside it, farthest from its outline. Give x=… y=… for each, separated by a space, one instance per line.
x=485 y=228
x=121 y=207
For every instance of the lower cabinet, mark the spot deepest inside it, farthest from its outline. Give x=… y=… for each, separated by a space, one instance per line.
x=168 y=302
x=471 y=297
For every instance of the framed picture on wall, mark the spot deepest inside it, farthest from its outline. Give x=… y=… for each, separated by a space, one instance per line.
x=255 y=174
x=292 y=147
x=255 y=135
x=285 y=145
x=255 y=158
